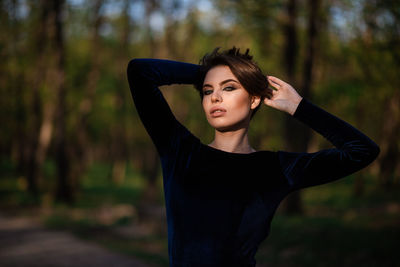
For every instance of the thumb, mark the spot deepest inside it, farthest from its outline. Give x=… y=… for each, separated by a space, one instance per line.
x=268 y=101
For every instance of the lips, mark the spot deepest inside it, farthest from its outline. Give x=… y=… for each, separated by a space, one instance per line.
x=216 y=111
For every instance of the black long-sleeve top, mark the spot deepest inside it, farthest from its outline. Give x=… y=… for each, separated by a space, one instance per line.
x=219 y=204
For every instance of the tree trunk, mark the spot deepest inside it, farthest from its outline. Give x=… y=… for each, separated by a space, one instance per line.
x=57 y=77
x=119 y=151
x=292 y=203
x=390 y=152
x=18 y=88
x=152 y=163
x=86 y=104
x=303 y=133
x=36 y=145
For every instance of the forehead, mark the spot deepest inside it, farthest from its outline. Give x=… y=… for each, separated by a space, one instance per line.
x=219 y=73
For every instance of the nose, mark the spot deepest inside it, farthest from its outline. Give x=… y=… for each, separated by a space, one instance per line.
x=216 y=96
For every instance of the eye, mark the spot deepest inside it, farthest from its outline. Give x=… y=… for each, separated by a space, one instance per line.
x=207 y=92
x=229 y=88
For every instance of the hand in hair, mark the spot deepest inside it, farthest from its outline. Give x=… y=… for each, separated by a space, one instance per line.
x=284 y=97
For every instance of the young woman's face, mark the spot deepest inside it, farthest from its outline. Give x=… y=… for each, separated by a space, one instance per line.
x=226 y=103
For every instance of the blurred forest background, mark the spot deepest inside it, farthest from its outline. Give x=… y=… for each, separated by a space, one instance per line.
x=75 y=154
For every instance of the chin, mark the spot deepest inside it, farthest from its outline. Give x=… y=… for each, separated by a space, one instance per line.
x=222 y=126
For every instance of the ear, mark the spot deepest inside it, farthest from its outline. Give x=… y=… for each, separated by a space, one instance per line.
x=255 y=101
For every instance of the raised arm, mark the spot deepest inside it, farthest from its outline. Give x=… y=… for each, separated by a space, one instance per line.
x=144 y=76
x=353 y=151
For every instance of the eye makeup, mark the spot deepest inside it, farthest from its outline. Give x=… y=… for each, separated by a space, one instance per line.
x=227 y=88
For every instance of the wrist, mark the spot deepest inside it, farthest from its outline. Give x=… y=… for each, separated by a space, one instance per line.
x=294 y=105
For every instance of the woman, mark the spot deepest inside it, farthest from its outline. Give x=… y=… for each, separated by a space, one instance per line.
x=220 y=198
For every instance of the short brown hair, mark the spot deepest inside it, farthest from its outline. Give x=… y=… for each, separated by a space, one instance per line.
x=242 y=66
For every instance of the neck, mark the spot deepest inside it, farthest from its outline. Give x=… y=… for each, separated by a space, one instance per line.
x=232 y=141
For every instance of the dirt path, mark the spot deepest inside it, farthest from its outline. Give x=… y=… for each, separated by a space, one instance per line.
x=25 y=242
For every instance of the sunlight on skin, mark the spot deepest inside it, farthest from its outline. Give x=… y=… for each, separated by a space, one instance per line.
x=223 y=91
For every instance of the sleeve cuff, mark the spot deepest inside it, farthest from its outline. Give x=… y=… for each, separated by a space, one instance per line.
x=302 y=108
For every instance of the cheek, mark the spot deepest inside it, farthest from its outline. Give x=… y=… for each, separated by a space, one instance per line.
x=241 y=105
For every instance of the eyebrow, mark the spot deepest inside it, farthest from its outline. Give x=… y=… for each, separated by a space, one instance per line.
x=221 y=83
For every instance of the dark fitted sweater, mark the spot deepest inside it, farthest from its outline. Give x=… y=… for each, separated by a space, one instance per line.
x=219 y=204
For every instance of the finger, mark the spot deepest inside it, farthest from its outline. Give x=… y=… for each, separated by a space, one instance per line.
x=267 y=101
x=273 y=83
x=276 y=80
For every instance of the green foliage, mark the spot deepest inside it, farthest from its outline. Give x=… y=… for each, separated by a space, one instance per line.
x=355 y=77
x=322 y=241
x=340 y=229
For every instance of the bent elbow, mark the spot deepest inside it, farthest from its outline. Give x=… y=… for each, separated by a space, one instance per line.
x=133 y=67
x=375 y=150
x=362 y=152
x=136 y=72
x=372 y=154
